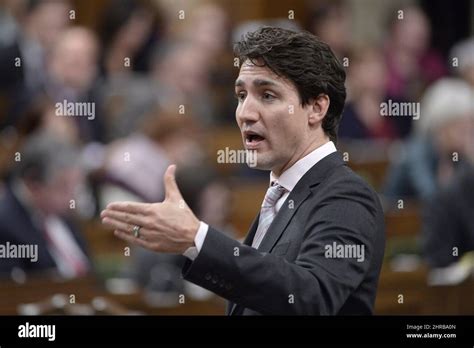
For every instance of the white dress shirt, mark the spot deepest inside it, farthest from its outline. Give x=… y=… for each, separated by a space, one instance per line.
x=288 y=179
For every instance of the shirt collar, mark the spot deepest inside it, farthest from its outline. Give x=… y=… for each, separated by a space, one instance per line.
x=290 y=177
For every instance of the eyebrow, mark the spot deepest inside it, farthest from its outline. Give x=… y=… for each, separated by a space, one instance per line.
x=256 y=83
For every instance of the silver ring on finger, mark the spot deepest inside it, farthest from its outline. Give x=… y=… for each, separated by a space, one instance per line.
x=136 y=231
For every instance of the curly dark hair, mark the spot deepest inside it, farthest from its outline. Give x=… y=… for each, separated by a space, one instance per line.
x=303 y=59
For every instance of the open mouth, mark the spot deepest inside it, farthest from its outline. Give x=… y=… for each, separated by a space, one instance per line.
x=252 y=139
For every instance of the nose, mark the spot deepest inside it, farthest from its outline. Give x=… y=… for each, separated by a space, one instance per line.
x=247 y=111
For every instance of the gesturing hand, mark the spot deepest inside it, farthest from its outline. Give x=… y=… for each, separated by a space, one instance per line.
x=168 y=227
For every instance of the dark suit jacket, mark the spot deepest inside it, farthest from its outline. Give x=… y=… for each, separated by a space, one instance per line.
x=11 y=74
x=447 y=220
x=289 y=273
x=17 y=227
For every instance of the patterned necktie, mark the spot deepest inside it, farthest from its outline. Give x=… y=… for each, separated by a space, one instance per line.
x=267 y=212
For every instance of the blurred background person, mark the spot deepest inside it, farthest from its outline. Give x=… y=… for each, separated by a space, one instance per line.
x=462 y=60
x=73 y=78
x=134 y=165
x=439 y=143
x=448 y=227
x=367 y=90
x=209 y=27
x=128 y=31
x=331 y=22
x=24 y=59
x=412 y=63
x=37 y=208
x=181 y=77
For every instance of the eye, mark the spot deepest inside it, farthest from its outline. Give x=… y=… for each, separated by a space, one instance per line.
x=240 y=96
x=268 y=96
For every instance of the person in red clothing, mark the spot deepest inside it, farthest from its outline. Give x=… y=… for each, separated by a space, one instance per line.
x=367 y=82
x=412 y=63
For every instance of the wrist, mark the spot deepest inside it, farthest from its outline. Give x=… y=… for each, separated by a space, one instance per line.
x=192 y=231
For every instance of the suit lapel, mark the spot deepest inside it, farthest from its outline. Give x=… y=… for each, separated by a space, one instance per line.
x=283 y=217
x=297 y=196
x=274 y=231
x=253 y=229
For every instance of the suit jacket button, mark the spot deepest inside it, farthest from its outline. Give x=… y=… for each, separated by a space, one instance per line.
x=215 y=279
x=207 y=276
x=228 y=286
x=221 y=283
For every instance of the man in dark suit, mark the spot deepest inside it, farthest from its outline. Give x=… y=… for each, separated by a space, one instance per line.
x=317 y=245
x=23 y=60
x=35 y=210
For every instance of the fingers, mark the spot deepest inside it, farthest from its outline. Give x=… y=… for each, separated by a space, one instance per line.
x=114 y=224
x=126 y=228
x=132 y=240
x=130 y=207
x=123 y=216
x=127 y=218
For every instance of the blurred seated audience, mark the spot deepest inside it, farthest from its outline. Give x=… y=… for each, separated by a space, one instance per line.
x=440 y=142
x=462 y=60
x=37 y=205
x=180 y=72
x=23 y=60
x=209 y=28
x=73 y=79
x=331 y=22
x=367 y=87
x=412 y=63
x=128 y=31
x=178 y=84
x=448 y=226
x=134 y=165
x=129 y=34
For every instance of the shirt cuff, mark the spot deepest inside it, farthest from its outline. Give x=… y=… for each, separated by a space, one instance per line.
x=192 y=252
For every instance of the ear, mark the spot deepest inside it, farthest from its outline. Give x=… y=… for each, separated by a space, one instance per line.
x=318 y=108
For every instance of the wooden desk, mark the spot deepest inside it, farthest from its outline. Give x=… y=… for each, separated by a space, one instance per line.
x=86 y=289
x=419 y=298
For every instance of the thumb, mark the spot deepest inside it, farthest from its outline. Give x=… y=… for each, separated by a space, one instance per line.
x=171 y=188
